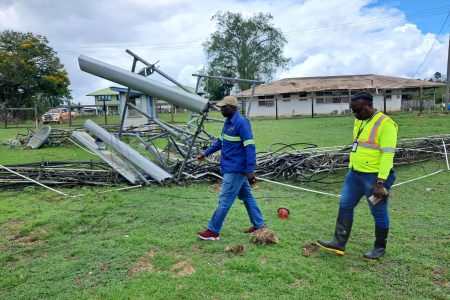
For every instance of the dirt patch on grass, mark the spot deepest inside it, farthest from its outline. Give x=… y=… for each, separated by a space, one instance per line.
x=144 y=263
x=308 y=249
x=34 y=238
x=353 y=269
x=438 y=278
x=15 y=223
x=183 y=268
x=298 y=283
x=264 y=236
x=262 y=260
x=239 y=249
x=103 y=267
x=79 y=283
x=10 y=227
x=197 y=248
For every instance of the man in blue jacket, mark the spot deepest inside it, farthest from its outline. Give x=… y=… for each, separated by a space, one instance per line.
x=237 y=162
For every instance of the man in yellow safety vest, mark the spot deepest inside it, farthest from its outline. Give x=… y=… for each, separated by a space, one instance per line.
x=370 y=175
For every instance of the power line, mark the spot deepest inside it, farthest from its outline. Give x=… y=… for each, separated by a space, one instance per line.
x=431 y=48
x=378 y=21
x=114 y=48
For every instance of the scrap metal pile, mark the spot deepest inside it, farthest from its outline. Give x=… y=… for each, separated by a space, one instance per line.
x=298 y=162
x=315 y=164
x=306 y=163
x=46 y=135
x=61 y=174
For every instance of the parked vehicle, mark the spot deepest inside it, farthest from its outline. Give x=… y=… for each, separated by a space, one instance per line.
x=57 y=115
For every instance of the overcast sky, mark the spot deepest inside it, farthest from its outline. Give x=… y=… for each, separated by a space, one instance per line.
x=333 y=37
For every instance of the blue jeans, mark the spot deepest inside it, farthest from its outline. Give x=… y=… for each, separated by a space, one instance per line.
x=235 y=185
x=358 y=184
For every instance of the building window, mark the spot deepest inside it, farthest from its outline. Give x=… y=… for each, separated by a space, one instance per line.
x=266 y=103
x=302 y=96
x=388 y=95
x=323 y=94
x=286 y=95
x=332 y=97
x=266 y=97
x=104 y=98
x=344 y=99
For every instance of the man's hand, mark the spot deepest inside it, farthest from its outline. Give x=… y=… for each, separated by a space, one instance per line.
x=201 y=156
x=251 y=178
x=378 y=191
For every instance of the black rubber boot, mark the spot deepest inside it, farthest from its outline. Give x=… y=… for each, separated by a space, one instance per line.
x=341 y=235
x=379 y=247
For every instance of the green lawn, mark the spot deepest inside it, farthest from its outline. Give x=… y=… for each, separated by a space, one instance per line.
x=141 y=243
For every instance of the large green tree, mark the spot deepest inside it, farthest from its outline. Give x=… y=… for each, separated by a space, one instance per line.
x=30 y=72
x=247 y=48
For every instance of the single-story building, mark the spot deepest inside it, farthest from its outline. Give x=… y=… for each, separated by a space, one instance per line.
x=331 y=94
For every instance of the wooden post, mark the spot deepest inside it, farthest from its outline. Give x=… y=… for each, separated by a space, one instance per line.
x=104 y=111
x=6 y=115
x=447 y=86
x=350 y=100
x=36 y=119
x=276 y=106
x=421 y=99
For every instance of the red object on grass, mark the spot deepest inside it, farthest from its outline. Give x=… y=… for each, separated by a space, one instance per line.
x=283 y=212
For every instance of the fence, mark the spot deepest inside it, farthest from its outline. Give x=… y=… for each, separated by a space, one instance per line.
x=418 y=105
x=7 y=116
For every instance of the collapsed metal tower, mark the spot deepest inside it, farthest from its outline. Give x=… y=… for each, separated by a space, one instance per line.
x=183 y=142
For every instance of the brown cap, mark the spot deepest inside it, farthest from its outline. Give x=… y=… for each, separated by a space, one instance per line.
x=230 y=100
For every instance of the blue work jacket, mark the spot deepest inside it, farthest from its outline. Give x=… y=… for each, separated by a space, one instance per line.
x=237 y=145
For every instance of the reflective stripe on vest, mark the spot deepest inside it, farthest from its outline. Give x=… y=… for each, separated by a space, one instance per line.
x=368 y=145
x=249 y=142
x=371 y=143
x=231 y=138
x=374 y=131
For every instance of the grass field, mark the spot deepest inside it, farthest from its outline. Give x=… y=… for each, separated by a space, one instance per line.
x=141 y=243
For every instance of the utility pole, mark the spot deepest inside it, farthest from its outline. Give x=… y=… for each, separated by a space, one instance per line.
x=447 y=86
x=69 y=108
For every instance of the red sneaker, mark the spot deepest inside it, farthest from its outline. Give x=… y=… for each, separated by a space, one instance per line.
x=208 y=235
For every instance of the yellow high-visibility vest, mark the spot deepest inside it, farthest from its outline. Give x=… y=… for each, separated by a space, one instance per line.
x=376 y=140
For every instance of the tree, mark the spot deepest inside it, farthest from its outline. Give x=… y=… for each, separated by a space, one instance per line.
x=437 y=77
x=216 y=88
x=247 y=48
x=30 y=71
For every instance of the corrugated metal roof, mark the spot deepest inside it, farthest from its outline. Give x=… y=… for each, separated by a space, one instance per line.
x=104 y=92
x=346 y=82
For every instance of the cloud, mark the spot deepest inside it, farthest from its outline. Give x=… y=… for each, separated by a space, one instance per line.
x=336 y=37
